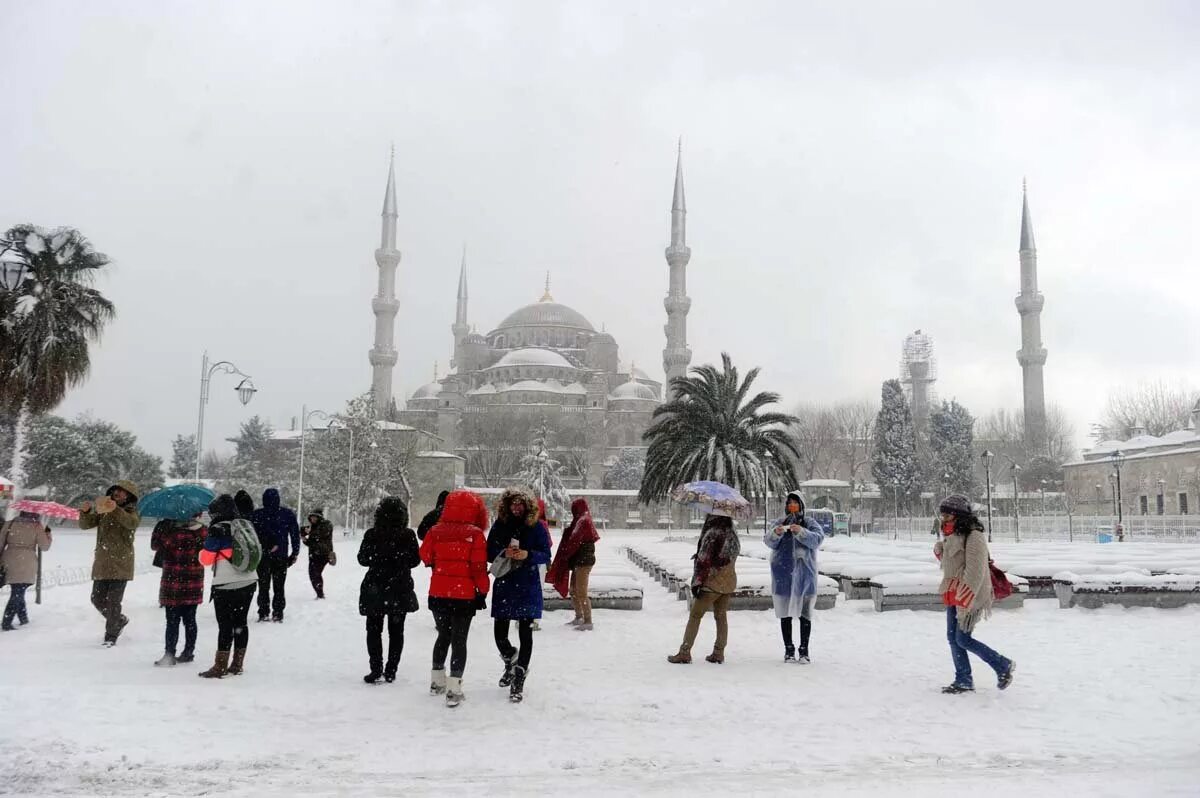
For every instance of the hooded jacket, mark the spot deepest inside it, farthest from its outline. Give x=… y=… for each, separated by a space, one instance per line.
x=276 y=526
x=389 y=553
x=319 y=538
x=579 y=535
x=793 y=561
x=114 y=535
x=456 y=549
x=20 y=540
x=518 y=594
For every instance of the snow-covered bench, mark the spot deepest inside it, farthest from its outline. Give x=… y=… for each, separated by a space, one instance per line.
x=909 y=590
x=609 y=588
x=1040 y=575
x=1128 y=590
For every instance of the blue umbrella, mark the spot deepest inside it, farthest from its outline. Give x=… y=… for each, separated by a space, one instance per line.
x=178 y=502
x=715 y=498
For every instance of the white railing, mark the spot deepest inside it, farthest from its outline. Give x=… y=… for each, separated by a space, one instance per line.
x=1055 y=527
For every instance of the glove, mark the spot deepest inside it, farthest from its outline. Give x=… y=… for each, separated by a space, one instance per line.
x=480 y=601
x=292 y=560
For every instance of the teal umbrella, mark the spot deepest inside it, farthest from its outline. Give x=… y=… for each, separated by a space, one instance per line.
x=178 y=502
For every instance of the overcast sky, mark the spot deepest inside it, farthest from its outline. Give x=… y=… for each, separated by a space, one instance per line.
x=853 y=173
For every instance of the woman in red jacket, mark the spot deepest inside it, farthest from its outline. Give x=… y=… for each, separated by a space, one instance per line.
x=456 y=549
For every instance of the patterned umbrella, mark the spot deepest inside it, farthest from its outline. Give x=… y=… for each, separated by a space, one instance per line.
x=714 y=498
x=178 y=502
x=50 y=509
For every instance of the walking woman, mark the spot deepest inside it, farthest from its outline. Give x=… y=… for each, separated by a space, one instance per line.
x=966 y=590
x=517 y=545
x=389 y=553
x=714 y=580
x=573 y=563
x=318 y=536
x=232 y=589
x=181 y=586
x=20 y=541
x=456 y=549
x=794 y=540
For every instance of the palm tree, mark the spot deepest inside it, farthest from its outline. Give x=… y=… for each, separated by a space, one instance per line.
x=710 y=431
x=48 y=321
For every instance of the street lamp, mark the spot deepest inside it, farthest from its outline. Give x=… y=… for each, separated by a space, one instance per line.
x=245 y=391
x=305 y=415
x=766 y=491
x=1117 y=458
x=987 y=456
x=1162 y=499
x=1016 y=469
x=349 y=467
x=1099 y=498
x=13 y=270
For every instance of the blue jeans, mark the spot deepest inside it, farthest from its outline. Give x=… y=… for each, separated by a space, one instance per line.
x=960 y=643
x=187 y=616
x=16 y=605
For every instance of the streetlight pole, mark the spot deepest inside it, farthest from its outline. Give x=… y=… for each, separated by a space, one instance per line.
x=245 y=390
x=1162 y=505
x=305 y=414
x=1016 y=469
x=1118 y=458
x=987 y=456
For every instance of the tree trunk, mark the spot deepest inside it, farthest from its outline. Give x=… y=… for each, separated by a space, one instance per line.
x=16 y=474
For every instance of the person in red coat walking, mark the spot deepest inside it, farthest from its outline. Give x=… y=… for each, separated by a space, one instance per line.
x=181 y=588
x=456 y=549
x=573 y=563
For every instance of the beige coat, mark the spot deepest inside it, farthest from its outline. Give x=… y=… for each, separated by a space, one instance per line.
x=114 y=541
x=965 y=572
x=20 y=540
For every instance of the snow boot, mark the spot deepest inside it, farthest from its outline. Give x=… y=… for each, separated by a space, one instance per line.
x=510 y=663
x=277 y=618
x=716 y=658
x=186 y=656
x=516 y=692
x=220 y=667
x=109 y=642
x=574 y=621
x=789 y=654
x=537 y=627
x=437 y=682
x=956 y=688
x=372 y=677
x=7 y=626
x=168 y=660
x=802 y=657
x=1007 y=678
x=684 y=657
x=584 y=627
x=239 y=660
x=454 y=691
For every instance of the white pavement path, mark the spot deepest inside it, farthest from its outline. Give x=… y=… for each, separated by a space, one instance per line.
x=1105 y=702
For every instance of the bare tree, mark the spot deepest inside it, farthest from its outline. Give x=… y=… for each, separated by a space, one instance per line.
x=855 y=423
x=1003 y=432
x=1157 y=406
x=577 y=443
x=495 y=442
x=816 y=434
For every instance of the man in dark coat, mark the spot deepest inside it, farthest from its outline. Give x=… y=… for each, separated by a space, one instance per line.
x=432 y=516
x=276 y=527
x=318 y=536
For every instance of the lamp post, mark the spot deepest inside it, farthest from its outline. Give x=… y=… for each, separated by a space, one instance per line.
x=987 y=456
x=245 y=391
x=1016 y=469
x=1099 y=498
x=766 y=491
x=1117 y=458
x=13 y=268
x=1162 y=505
x=305 y=415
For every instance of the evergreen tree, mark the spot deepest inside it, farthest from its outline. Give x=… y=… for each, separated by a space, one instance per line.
x=952 y=449
x=183 y=457
x=627 y=472
x=541 y=472
x=894 y=465
x=259 y=462
x=83 y=458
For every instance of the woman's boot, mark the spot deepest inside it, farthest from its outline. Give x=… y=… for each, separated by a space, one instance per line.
x=454 y=691
x=516 y=693
x=437 y=682
x=239 y=661
x=220 y=667
x=682 y=658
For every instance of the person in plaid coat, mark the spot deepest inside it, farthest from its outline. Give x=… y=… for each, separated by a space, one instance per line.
x=177 y=545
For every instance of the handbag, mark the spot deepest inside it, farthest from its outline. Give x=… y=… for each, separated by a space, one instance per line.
x=501 y=566
x=1001 y=587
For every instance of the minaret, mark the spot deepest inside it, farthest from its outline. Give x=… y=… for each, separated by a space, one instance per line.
x=460 y=328
x=676 y=355
x=387 y=257
x=1032 y=355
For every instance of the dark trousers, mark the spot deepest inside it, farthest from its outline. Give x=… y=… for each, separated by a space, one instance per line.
x=16 y=605
x=395 y=627
x=232 y=608
x=452 y=631
x=107 y=595
x=316 y=565
x=271 y=572
x=185 y=615
x=785 y=625
x=524 y=636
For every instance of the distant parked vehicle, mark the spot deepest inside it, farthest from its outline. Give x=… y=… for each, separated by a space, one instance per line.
x=824 y=517
x=841 y=523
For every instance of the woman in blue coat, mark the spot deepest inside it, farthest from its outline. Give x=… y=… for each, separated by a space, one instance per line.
x=517 y=545
x=794 y=540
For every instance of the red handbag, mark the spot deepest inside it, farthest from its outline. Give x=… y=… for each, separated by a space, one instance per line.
x=1001 y=587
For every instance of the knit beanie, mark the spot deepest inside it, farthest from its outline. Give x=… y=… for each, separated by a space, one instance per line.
x=222 y=508
x=956 y=504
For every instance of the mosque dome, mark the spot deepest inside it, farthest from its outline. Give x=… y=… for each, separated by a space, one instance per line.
x=533 y=357
x=634 y=390
x=546 y=314
x=429 y=391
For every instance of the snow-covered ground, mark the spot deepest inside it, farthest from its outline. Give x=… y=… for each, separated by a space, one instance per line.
x=1106 y=702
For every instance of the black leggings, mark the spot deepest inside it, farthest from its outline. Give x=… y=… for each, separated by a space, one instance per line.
x=785 y=625
x=232 y=608
x=452 y=630
x=395 y=627
x=524 y=636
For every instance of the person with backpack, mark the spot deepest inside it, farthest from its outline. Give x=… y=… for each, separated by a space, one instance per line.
x=231 y=550
x=432 y=516
x=573 y=563
x=177 y=545
x=456 y=549
x=115 y=518
x=794 y=540
x=967 y=592
x=276 y=527
x=714 y=580
x=318 y=537
x=517 y=546
x=20 y=541
x=389 y=552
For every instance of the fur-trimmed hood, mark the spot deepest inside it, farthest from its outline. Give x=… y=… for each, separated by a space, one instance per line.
x=506 y=500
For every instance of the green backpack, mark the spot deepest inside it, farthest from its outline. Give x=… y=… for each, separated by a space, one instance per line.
x=247 y=551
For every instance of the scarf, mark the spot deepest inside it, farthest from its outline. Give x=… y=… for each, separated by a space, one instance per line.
x=965 y=575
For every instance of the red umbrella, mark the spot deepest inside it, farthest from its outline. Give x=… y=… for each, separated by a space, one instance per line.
x=51 y=509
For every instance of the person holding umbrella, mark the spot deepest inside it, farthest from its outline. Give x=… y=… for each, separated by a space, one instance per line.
x=181 y=587
x=115 y=518
x=20 y=541
x=794 y=540
x=714 y=580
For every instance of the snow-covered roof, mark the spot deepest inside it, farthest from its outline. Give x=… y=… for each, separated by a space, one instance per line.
x=428 y=391
x=825 y=483
x=437 y=455
x=544 y=386
x=486 y=388
x=533 y=357
x=634 y=390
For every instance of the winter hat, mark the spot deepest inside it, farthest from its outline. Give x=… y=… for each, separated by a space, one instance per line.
x=319 y=512
x=955 y=504
x=223 y=508
x=392 y=513
x=244 y=503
